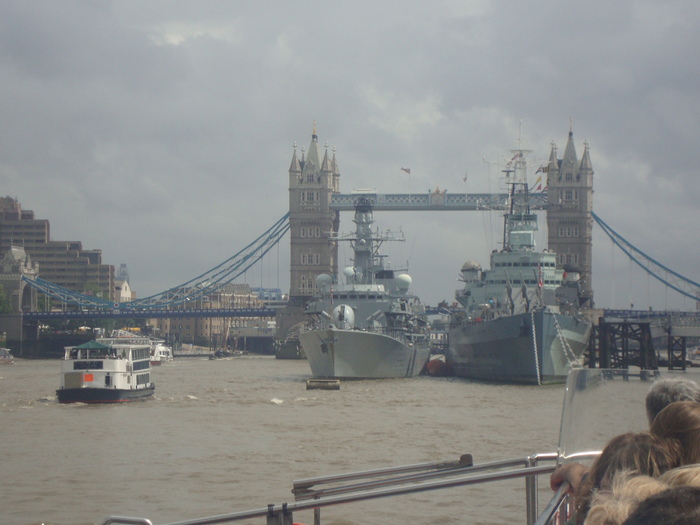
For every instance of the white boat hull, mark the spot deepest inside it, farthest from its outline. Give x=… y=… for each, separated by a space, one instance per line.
x=357 y=354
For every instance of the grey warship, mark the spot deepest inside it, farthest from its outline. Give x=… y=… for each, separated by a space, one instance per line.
x=511 y=327
x=371 y=326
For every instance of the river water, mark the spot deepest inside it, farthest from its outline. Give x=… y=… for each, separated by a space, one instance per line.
x=231 y=435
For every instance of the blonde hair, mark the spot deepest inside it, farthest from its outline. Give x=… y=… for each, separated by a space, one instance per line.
x=641 y=453
x=628 y=491
x=688 y=475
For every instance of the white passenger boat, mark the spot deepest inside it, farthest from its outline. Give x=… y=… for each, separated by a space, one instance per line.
x=160 y=353
x=370 y=327
x=106 y=371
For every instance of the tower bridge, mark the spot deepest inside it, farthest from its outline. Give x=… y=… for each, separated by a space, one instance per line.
x=315 y=204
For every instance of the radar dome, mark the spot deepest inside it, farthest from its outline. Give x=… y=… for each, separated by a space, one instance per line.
x=471 y=265
x=349 y=272
x=344 y=317
x=323 y=280
x=404 y=281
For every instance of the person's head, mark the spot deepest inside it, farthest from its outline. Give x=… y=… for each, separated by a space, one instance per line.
x=639 y=454
x=675 y=506
x=666 y=391
x=628 y=490
x=681 y=420
x=688 y=475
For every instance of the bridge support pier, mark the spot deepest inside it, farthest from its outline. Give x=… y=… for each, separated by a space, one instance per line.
x=676 y=352
x=621 y=345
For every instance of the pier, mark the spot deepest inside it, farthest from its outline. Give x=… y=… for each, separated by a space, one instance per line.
x=624 y=338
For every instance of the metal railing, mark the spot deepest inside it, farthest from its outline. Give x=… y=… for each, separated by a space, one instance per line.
x=394 y=481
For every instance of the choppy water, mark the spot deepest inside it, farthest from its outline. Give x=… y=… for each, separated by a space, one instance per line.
x=231 y=435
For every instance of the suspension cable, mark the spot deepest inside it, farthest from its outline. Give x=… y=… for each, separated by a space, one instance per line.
x=639 y=256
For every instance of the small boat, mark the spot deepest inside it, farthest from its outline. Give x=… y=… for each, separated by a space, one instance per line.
x=160 y=353
x=106 y=371
x=6 y=357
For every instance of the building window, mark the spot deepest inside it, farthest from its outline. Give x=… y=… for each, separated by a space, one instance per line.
x=571 y=258
x=569 y=176
x=310 y=259
x=568 y=231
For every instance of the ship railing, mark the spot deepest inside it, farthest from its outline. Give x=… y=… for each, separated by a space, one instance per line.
x=396 y=333
x=402 y=480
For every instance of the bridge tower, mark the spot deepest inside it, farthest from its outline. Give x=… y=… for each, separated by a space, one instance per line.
x=569 y=219
x=23 y=298
x=313 y=179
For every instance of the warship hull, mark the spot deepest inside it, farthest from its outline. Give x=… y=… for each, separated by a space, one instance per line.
x=508 y=350
x=357 y=354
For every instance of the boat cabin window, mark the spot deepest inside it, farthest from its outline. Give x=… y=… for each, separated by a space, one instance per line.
x=141 y=353
x=352 y=296
x=141 y=365
x=108 y=380
x=93 y=353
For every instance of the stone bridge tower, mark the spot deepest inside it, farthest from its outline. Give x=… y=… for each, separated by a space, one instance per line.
x=23 y=298
x=313 y=180
x=569 y=219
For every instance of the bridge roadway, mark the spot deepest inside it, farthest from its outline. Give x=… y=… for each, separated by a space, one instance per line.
x=164 y=313
x=434 y=200
x=152 y=313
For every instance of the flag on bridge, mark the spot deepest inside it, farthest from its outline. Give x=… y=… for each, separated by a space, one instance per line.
x=407 y=170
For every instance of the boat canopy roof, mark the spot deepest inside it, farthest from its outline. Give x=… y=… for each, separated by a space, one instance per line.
x=92 y=345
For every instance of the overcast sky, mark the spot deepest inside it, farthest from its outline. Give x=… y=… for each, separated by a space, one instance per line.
x=161 y=132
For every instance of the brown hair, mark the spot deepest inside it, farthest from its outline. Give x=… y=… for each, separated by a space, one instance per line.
x=681 y=420
x=641 y=453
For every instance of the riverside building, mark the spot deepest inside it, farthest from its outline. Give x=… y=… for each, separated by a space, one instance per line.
x=64 y=263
